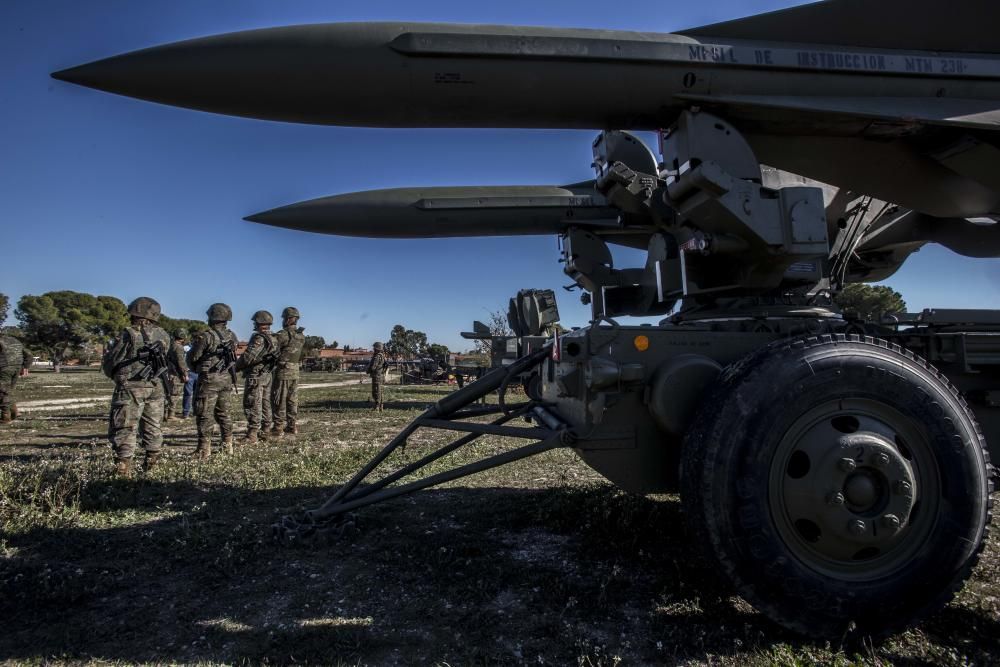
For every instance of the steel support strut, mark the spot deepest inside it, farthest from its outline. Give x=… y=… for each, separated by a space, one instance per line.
x=446 y=414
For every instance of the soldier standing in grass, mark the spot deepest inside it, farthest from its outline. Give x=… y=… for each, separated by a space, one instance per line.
x=137 y=361
x=15 y=360
x=213 y=357
x=178 y=373
x=284 y=394
x=257 y=364
x=376 y=369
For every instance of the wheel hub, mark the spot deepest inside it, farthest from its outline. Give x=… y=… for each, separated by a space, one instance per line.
x=847 y=491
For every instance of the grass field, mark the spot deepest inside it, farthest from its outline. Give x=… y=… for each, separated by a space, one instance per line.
x=538 y=562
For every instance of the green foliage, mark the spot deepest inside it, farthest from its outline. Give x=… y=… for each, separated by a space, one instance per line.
x=58 y=322
x=407 y=343
x=171 y=325
x=438 y=352
x=334 y=345
x=870 y=302
x=313 y=345
x=4 y=307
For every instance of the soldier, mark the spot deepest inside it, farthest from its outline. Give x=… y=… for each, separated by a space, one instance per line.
x=15 y=360
x=213 y=357
x=257 y=364
x=178 y=375
x=377 y=368
x=284 y=394
x=136 y=360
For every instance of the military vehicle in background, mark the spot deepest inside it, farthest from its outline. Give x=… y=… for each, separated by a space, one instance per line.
x=834 y=476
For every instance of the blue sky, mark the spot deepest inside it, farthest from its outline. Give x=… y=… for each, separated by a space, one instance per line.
x=109 y=195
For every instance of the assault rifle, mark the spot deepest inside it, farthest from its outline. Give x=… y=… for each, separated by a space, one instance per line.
x=153 y=358
x=225 y=359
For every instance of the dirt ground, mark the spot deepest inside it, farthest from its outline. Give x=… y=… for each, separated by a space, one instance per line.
x=538 y=562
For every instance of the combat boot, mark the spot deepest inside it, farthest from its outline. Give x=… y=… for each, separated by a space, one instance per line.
x=227 y=444
x=5 y=417
x=152 y=460
x=123 y=468
x=250 y=438
x=13 y=411
x=204 y=450
x=292 y=430
x=276 y=433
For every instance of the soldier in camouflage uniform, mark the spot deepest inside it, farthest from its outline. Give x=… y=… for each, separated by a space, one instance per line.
x=15 y=360
x=257 y=364
x=178 y=374
x=376 y=369
x=213 y=357
x=284 y=394
x=136 y=361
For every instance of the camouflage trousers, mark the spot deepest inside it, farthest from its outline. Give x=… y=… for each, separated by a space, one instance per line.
x=8 y=380
x=136 y=411
x=257 y=402
x=378 y=385
x=213 y=396
x=285 y=398
x=175 y=398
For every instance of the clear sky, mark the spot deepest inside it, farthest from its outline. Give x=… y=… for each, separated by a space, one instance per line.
x=110 y=195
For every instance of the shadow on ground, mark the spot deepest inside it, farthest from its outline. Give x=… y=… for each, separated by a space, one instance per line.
x=458 y=574
x=454 y=575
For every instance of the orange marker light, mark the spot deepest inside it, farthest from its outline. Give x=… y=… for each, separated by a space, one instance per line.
x=641 y=343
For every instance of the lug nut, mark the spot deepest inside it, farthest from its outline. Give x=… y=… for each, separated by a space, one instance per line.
x=882 y=459
x=835 y=498
x=847 y=465
x=891 y=522
x=857 y=527
x=903 y=488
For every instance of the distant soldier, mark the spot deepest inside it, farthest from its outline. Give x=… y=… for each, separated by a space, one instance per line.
x=213 y=357
x=15 y=360
x=377 y=368
x=257 y=364
x=284 y=394
x=137 y=361
x=178 y=375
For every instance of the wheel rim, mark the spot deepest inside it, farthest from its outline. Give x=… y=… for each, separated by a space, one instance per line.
x=854 y=489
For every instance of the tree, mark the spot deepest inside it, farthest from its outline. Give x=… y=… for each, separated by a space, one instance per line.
x=405 y=342
x=438 y=352
x=171 y=325
x=57 y=322
x=313 y=345
x=4 y=307
x=334 y=345
x=870 y=302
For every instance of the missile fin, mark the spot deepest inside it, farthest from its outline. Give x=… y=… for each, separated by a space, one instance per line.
x=964 y=26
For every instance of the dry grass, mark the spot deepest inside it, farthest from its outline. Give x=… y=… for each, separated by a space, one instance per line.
x=539 y=562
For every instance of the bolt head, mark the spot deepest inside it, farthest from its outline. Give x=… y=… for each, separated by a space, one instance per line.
x=881 y=459
x=903 y=488
x=835 y=498
x=847 y=465
x=857 y=527
x=891 y=522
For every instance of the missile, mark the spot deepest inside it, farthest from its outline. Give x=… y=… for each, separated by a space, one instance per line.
x=449 y=212
x=874 y=97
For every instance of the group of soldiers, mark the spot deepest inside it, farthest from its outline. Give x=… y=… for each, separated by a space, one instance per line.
x=148 y=367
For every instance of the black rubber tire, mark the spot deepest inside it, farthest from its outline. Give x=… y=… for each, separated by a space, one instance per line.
x=724 y=483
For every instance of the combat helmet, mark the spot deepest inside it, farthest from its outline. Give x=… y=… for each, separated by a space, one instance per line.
x=180 y=334
x=377 y=346
x=262 y=317
x=146 y=308
x=291 y=311
x=219 y=312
